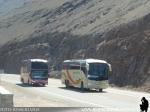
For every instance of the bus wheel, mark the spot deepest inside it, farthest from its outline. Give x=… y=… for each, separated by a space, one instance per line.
x=67 y=83
x=29 y=84
x=82 y=87
x=100 y=90
x=22 y=81
x=43 y=85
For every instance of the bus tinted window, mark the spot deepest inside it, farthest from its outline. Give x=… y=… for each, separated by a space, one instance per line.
x=39 y=74
x=74 y=67
x=39 y=65
x=98 y=69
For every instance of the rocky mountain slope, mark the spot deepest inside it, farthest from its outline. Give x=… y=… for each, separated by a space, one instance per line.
x=8 y=5
x=75 y=16
x=116 y=30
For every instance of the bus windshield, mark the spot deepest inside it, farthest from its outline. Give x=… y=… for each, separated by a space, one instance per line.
x=39 y=74
x=39 y=65
x=98 y=69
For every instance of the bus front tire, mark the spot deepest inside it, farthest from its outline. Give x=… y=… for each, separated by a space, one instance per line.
x=100 y=90
x=67 y=83
x=82 y=87
x=29 y=83
x=22 y=81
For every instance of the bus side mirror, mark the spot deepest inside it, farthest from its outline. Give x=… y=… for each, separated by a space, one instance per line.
x=87 y=66
x=110 y=69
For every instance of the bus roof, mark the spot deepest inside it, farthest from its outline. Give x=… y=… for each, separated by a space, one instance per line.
x=95 y=61
x=86 y=60
x=37 y=60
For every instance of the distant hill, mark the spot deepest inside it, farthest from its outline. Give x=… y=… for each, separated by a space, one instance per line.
x=113 y=30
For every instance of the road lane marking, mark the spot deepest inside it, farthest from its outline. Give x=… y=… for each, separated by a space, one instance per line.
x=110 y=90
x=73 y=99
x=113 y=109
x=109 y=109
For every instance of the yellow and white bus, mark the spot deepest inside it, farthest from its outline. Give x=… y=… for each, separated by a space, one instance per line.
x=86 y=74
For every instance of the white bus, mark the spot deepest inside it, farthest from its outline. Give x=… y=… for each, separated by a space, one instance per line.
x=86 y=74
x=34 y=71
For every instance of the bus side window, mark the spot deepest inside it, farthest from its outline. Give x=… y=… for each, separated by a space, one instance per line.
x=84 y=70
x=65 y=66
x=75 y=67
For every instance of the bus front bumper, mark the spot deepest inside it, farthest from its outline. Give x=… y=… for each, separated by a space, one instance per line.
x=97 y=84
x=43 y=82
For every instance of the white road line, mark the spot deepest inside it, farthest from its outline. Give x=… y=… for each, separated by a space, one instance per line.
x=109 y=109
x=73 y=99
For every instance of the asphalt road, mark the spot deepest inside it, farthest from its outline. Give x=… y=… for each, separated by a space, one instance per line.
x=111 y=99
